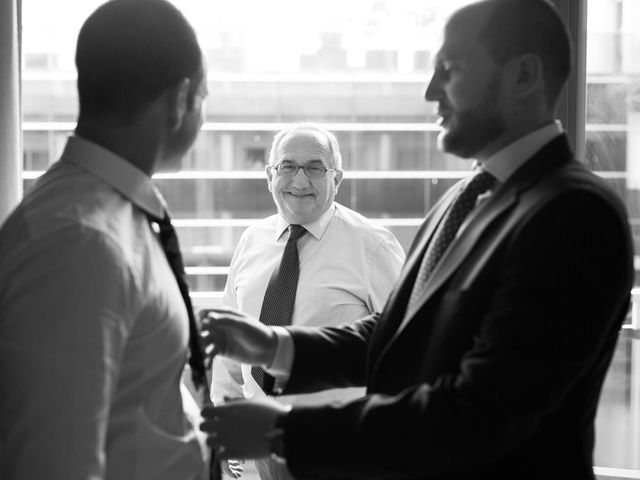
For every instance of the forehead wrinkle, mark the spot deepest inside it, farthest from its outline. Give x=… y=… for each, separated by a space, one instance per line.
x=304 y=147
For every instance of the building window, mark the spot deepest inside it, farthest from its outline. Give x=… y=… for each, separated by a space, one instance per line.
x=360 y=69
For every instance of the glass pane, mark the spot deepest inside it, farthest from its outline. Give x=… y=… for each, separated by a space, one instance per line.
x=343 y=64
x=361 y=68
x=613 y=148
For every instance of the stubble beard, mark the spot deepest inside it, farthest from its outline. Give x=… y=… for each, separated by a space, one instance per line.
x=475 y=127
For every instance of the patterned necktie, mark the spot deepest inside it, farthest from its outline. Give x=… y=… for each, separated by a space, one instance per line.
x=280 y=296
x=463 y=204
x=171 y=247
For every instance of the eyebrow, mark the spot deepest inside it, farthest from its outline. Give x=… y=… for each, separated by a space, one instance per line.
x=443 y=56
x=316 y=160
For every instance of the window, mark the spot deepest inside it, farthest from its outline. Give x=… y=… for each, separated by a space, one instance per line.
x=612 y=149
x=360 y=68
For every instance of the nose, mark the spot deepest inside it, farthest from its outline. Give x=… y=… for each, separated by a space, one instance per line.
x=300 y=179
x=434 y=90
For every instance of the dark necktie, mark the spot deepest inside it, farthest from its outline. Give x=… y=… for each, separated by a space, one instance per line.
x=280 y=296
x=480 y=183
x=171 y=247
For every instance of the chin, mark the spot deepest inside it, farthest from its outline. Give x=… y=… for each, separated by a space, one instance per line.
x=457 y=148
x=298 y=217
x=169 y=165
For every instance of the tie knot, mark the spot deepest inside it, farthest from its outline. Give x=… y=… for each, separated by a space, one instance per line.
x=480 y=183
x=295 y=232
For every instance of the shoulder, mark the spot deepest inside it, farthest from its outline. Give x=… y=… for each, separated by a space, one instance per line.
x=362 y=229
x=82 y=219
x=260 y=228
x=257 y=234
x=575 y=208
x=574 y=184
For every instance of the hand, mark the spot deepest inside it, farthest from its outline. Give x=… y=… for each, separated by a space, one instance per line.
x=238 y=429
x=238 y=336
x=233 y=467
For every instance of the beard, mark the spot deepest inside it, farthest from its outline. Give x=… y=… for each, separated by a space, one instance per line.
x=475 y=127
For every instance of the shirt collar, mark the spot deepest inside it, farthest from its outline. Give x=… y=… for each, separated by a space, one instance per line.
x=117 y=172
x=506 y=161
x=315 y=228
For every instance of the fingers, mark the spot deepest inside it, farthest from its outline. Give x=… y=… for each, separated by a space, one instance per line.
x=213 y=441
x=223 y=309
x=225 y=467
x=233 y=467
x=210 y=348
x=209 y=412
x=231 y=399
x=214 y=420
x=236 y=467
x=219 y=313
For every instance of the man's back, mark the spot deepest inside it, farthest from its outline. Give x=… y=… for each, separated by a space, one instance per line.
x=92 y=332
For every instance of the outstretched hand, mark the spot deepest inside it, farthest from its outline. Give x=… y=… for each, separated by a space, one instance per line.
x=239 y=429
x=236 y=335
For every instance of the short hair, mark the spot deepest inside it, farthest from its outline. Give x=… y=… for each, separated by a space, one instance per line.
x=336 y=156
x=518 y=27
x=129 y=52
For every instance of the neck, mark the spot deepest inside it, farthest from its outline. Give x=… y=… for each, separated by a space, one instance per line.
x=135 y=142
x=517 y=127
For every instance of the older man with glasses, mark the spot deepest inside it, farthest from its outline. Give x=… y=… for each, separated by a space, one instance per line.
x=315 y=262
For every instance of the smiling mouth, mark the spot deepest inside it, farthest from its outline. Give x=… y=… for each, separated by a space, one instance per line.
x=299 y=195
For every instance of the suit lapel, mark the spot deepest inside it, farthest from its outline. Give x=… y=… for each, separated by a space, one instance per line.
x=461 y=246
x=504 y=198
x=394 y=311
x=431 y=224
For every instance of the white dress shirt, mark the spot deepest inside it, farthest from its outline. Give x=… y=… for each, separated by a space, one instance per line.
x=505 y=162
x=93 y=330
x=348 y=266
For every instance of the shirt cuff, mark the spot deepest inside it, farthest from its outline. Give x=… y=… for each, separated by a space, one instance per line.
x=283 y=360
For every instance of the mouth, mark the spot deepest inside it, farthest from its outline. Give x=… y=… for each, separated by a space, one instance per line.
x=444 y=116
x=299 y=195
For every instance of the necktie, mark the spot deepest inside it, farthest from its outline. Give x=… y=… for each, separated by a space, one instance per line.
x=171 y=247
x=446 y=232
x=280 y=296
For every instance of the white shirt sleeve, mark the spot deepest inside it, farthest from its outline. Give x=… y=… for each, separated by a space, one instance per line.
x=280 y=368
x=385 y=269
x=226 y=374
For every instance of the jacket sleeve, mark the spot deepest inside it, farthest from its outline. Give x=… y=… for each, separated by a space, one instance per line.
x=559 y=297
x=330 y=357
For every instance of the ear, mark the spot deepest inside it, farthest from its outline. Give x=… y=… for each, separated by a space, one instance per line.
x=269 y=171
x=528 y=75
x=178 y=105
x=337 y=178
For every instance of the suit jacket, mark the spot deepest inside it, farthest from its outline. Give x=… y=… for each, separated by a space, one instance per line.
x=498 y=371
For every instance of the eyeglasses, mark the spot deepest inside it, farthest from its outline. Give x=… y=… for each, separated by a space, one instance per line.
x=313 y=171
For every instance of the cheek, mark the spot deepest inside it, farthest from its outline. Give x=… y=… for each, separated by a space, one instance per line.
x=462 y=93
x=326 y=194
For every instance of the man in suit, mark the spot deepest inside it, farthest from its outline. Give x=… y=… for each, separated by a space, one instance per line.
x=94 y=322
x=489 y=356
